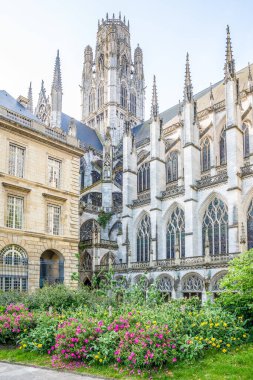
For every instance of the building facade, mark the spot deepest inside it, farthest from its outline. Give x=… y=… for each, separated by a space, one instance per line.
x=170 y=198
x=180 y=193
x=39 y=193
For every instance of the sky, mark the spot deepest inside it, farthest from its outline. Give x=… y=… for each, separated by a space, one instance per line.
x=31 y=31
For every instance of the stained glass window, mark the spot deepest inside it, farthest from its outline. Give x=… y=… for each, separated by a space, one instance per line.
x=215 y=227
x=246 y=147
x=250 y=225
x=172 y=167
x=16 y=160
x=144 y=239
x=223 y=148
x=143 y=177
x=176 y=233
x=205 y=155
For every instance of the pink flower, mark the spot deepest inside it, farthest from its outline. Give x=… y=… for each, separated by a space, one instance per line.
x=174 y=360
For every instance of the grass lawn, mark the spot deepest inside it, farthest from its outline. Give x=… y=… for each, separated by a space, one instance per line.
x=237 y=365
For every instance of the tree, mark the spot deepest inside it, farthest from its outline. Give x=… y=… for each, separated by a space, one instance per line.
x=237 y=285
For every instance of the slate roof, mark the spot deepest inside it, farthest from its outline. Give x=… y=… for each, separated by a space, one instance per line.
x=85 y=134
x=7 y=101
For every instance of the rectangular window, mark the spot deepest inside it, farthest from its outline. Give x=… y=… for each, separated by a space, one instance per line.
x=53 y=219
x=15 y=212
x=16 y=160
x=54 y=172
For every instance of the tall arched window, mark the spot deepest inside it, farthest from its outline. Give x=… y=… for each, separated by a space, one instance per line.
x=133 y=103
x=215 y=227
x=13 y=268
x=246 y=148
x=92 y=101
x=144 y=239
x=172 y=167
x=223 y=148
x=100 y=95
x=123 y=95
x=101 y=63
x=250 y=225
x=205 y=155
x=124 y=66
x=176 y=234
x=143 y=177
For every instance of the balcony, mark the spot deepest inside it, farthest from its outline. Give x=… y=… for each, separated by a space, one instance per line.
x=116 y=267
x=110 y=244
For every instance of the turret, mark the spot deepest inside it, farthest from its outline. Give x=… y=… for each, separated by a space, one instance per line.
x=138 y=63
x=42 y=111
x=56 y=95
x=88 y=63
x=250 y=79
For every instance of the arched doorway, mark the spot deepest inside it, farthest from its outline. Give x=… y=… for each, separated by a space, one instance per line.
x=51 y=268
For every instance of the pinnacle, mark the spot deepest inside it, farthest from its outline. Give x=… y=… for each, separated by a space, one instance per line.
x=187 y=83
x=57 y=83
x=229 y=61
x=154 y=104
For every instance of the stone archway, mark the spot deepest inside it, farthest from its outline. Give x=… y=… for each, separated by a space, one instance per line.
x=51 y=268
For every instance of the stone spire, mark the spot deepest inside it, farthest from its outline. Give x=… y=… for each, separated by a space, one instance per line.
x=211 y=93
x=229 y=67
x=56 y=95
x=30 y=99
x=154 y=104
x=188 y=96
x=57 y=83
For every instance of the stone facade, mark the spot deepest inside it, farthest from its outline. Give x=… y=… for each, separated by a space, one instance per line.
x=30 y=251
x=187 y=191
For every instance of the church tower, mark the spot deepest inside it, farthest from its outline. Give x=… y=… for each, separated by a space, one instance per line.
x=112 y=83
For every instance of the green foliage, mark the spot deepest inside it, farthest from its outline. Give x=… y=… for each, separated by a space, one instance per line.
x=237 y=296
x=104 y=218
x=42 y=337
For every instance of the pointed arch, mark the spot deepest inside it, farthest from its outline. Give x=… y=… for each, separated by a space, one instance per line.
x=143 y=239
x=87 y=229
x=86 y=261
x=165 y=283
x=123 y=95
x=205 y=155
x=172 y=167
x=246 y=142
x=175 y=233
x=192 y=284
x=108 y=259
x=143 y=177
x=223 y=147
x=215 y=225
x=216 y=279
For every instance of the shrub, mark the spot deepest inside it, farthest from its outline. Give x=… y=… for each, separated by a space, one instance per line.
x=16 y=320
x=238 y=287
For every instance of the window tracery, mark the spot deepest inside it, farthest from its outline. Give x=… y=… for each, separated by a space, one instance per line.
x=192 y=283
x=144 y=239
x=205 y=155
x=215 y=227
x=176 y=233
x=223 y=148
x=246 y=147
x=143 y=177
x=172 y=167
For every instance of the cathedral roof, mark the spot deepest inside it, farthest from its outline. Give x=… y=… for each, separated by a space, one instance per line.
x=85 y=134
x=170 y=116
